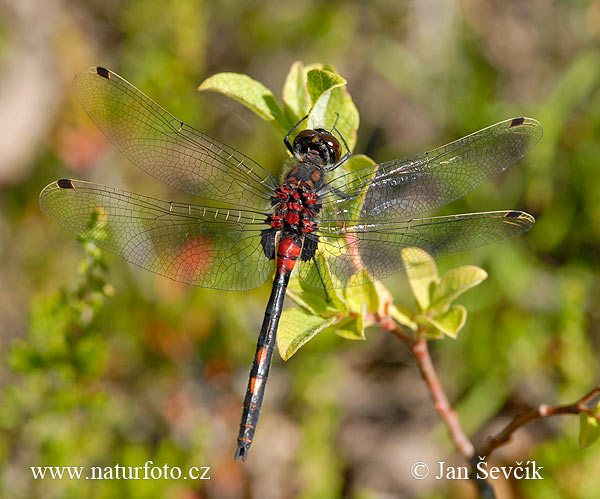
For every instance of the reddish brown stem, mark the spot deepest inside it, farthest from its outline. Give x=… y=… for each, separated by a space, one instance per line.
x=541 y=412
x=418 y=347
x=401 y=334
x=448 y=415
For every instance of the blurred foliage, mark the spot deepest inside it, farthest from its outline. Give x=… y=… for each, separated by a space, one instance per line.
x=156 y=371
x=589 y=427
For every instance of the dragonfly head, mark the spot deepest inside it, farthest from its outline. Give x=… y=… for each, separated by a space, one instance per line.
x=318 y=147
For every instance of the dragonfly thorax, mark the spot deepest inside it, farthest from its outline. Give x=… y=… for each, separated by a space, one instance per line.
x=295 y=212
x=296 y=208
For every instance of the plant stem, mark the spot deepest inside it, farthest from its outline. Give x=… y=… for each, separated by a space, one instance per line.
x=401 y=334
x=418 y=347
x=420 y=351
x=540 y=412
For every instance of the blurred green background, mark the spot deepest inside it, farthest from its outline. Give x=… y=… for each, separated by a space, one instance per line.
x=103 y=363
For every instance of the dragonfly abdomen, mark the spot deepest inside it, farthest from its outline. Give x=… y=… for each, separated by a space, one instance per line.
x=288 y=252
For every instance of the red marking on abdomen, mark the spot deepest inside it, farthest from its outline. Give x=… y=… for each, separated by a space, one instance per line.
x=261 y=356
x=255 y=384
x=287 y=254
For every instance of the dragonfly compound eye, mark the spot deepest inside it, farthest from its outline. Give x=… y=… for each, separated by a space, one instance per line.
x=302 y=142
x=306 y=133
x=333 y=145
x=317 y=147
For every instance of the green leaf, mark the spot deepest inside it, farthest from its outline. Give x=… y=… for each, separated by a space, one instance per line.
x=295 y=93
x=317 y=118
x=453 y=284
x=351 y=328
x=308 y=300
x=316 y=90
x=360 y=296
x=404 y=316
x=333 y=294
x=249 y=92
x=422 y=272
x=320 y=82
x=589 y=428
x=320 y=66
x=448 y=323
x=296 y=327
x=332 y=104
x=329 y=102
x=313 y=300
x=359 y=162
x=341 y=102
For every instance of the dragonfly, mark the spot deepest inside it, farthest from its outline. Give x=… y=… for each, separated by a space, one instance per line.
x=251 y=227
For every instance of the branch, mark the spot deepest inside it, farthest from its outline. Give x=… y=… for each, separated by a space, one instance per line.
x=399 y=333
x=541 y=412
x=418 y=347
x=448 y=415
x=420 y=352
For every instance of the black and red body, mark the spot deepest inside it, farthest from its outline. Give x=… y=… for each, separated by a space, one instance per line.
x=293 y=221
x=364 y=222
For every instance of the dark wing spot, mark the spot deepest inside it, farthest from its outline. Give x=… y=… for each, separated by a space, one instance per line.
x=65 y=183
x=516 y=122
x=514 y=214
x=105 y=73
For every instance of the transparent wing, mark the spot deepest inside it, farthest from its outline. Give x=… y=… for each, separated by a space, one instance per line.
x=405 y=187
x=208 y=247
x=377 y=247
x=168 y=149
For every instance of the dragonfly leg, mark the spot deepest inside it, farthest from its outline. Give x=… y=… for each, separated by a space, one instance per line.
x=286 y=139
x=348 y=153
x=343 y=196
x=321 y=278
x=342 y=160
